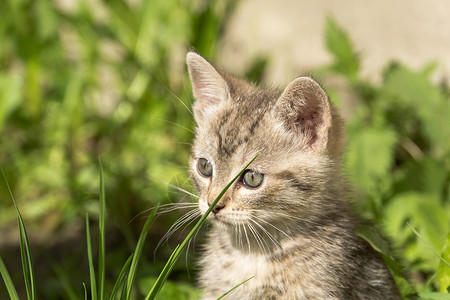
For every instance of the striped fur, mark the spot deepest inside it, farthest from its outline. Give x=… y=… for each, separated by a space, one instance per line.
x=293 y=233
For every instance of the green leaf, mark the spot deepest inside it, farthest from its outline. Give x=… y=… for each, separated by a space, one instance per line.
x=25 y=269
x=369 y=158
x=47 y=21
x=424 y=212
x=414 y=90
x=138 y=251
x=396 y=269
x=171 y=290
x=120 y=278
x=10 y=96
x=431 y=295
x=8 y=282
x=373 y=237
x=428 y=246
x=346 y=61
x=85 y=292
x=432 y=176
x=25 y=252
x=443 y=274
x=91 y=262
x=101 y=241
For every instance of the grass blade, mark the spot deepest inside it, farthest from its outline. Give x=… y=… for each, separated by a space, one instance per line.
x=235 y=288
x=179 y=249
x=433 y=295
x=120 y=278
x=27 y=261
x=123 y=294
x=91 y=263
x=101 y=242
x=428 y=245
x=138 y=251
x=85 y=292
x=8 y=282
x=156 y=288
x=23 y=257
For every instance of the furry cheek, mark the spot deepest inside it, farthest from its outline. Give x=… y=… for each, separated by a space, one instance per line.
x=202 y=205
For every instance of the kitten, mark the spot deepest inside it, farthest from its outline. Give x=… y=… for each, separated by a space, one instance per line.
x=284 y=222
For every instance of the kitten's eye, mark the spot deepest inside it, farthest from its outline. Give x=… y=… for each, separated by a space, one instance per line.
x=204 y=167
x=252 y=178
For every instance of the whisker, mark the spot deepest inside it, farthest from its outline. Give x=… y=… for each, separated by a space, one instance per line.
x=175 y=187
x=248 y=241
x=188 y=95
x=269 y=235
x=183 y=143
x=276 y=228
x=278 y=213
x=165 y=208
x=179 y=99
x=182 y=190
x=257 y=237
x=173 y=123
x=176 y=97
x=184 y=220
x=241 y=244
x=196 y=214
x=176 y=206
x=140 y=214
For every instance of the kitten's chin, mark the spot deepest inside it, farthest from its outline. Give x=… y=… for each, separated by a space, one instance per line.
x=221 y=223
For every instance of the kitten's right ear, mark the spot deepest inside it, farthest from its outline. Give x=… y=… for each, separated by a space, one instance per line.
x=304 y=108
x=208 y=86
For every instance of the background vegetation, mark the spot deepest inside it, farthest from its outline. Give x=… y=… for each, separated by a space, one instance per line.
x=80 y=79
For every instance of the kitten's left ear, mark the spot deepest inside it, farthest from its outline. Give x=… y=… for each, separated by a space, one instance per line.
x=304 y=108
x=208 y=85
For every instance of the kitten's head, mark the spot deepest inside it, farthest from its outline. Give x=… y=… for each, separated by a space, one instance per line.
x=296 y=132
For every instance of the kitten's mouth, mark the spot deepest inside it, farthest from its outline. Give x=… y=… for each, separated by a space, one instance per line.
x=217 y=218
x=221 y=221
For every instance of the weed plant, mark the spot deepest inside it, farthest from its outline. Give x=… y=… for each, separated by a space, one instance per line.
x=123 y=286
x=105 y=78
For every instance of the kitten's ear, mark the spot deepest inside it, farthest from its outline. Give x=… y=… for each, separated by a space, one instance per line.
x=208 y=86
x=303 y=108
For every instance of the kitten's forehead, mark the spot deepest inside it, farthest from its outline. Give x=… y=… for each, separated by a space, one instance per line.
x=240 y=123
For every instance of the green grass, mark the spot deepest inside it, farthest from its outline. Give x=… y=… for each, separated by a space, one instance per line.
x=180 y=248
x=8 y=282
x=25 y=254
x=90 y=79
x=125 y=280
x=91 y=262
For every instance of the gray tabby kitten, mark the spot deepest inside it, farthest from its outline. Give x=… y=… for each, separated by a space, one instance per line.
x=284 y=222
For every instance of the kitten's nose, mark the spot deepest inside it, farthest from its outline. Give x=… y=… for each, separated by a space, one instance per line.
x=218 y=207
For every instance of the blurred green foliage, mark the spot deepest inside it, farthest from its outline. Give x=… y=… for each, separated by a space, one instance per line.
x=398 y=158
x=85 y=78
x=79 y=79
